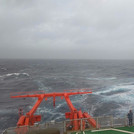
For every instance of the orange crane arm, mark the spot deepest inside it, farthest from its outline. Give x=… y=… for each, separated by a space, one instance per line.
x=32 y=111
x=72 y=108
x=52 y=94
x=30 y=118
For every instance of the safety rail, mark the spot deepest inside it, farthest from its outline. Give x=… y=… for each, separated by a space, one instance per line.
x=66 y=126
x=102 y=122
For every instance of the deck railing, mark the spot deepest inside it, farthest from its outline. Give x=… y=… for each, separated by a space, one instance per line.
x=66 y=126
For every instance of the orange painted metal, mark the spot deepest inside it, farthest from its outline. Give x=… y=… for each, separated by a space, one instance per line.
x=21 y=121
x=75 y=121
x=80 y=115
x=74 y=114
x=90 y=119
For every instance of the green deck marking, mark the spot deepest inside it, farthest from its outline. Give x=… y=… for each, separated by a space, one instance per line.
x=119 y=130
x=102 y=132
x=108 y=132
x=130 y=129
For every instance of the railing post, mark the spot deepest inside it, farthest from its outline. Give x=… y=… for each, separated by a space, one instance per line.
x=64 y=126
x=97 y=123
x=111 y=121
x=126 y=121
x=81 y=124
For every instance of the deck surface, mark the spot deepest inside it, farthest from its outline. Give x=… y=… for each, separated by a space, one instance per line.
x=130 y=129
x=120 y=130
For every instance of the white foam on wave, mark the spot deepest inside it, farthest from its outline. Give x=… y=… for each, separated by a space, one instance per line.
x=15 y=74
x=41 y=86
x=121 y=87
x=122 y=93
x=103 y=78
x=53 y=112
x=56 y=110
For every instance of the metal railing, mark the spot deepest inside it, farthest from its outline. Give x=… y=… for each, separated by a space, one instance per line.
x=101 y=122
x=67 y=125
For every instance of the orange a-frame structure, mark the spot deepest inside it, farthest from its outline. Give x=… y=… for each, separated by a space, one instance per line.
x=73 y=115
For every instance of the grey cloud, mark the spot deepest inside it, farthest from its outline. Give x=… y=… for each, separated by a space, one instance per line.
x=84 y=29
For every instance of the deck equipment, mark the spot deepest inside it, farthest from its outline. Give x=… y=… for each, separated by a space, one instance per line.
x=74 y=114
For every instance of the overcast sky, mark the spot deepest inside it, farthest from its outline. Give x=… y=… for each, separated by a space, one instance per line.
x=67 y=29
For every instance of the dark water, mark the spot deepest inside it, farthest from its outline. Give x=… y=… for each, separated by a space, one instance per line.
x=112 y=83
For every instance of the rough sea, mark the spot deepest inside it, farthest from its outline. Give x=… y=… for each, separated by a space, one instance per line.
x=112 y=83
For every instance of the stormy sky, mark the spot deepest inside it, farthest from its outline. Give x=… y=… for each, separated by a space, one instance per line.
x=67 y=29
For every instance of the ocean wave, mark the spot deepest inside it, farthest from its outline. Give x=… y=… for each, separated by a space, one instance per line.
x=122 y=94
x=57 y=112
x=15 y=75
x=103 y=78
x=48 y=113
x=6 y=111
x=117 y=89
x=3 y=68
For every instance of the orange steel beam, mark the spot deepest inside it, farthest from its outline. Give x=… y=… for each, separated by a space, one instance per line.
x=30 y=118
x=52 y=94
x=41 y=96
x=40 y=99
x=72 y=108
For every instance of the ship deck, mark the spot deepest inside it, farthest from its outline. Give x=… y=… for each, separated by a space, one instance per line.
x=119 y=130
x=116 y=130
x=105 y=125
